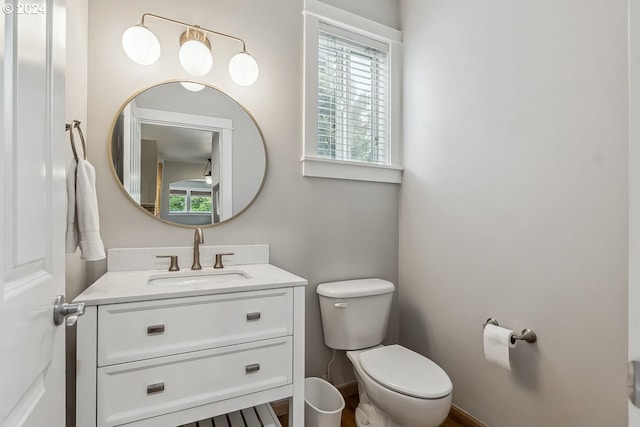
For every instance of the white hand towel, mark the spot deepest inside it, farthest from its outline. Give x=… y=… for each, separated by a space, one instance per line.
x=87 y=206
x=71 y=236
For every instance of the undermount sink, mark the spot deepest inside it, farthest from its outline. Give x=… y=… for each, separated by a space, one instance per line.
x=197 y=278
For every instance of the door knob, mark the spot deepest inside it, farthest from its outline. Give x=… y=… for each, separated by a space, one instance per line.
x=65 y=312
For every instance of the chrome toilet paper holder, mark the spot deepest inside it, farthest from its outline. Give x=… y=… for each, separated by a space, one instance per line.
x=527 y=334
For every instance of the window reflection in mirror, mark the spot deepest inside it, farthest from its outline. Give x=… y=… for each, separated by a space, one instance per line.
x=189 y=158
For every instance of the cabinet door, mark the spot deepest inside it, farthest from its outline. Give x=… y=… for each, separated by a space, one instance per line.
x=143 y=330
x=133 y=391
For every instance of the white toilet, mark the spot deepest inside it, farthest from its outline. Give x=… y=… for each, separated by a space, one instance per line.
x=398 y=387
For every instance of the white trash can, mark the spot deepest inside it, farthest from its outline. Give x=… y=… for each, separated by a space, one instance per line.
x=323 y=404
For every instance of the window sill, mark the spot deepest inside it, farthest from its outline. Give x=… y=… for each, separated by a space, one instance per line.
x=327 y=168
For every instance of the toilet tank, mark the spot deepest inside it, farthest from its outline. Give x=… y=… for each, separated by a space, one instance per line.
x=355 y=313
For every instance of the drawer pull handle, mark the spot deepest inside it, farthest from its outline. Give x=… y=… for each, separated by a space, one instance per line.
x=155 y=329
x=155 y=388
x=252 y=368
x=253 y=316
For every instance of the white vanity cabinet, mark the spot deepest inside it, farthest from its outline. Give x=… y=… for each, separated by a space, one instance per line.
x=171 y=358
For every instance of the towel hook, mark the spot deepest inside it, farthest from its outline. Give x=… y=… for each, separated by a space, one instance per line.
x=527 y=334
x=70 y=127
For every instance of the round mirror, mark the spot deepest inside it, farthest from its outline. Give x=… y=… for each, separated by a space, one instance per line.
x=187 y=154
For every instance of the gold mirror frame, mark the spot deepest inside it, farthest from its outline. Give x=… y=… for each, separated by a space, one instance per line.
x=138 y=205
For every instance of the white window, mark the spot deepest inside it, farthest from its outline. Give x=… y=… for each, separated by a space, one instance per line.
x=184 y=200
x=351 y=96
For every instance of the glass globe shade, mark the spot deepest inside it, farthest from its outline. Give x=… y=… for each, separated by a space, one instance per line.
x=141 y=45
x=243 y=69
x=195 y=58
x=193 y=87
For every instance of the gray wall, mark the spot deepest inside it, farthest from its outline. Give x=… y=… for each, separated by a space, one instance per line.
x=320 y=229
x=514 y=203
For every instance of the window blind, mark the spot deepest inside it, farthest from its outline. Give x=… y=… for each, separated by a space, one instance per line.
x=352 y=97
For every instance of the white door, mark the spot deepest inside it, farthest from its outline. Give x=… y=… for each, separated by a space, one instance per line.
x=32 y=212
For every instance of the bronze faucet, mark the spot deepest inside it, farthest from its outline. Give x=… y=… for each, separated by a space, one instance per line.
x=198 y=238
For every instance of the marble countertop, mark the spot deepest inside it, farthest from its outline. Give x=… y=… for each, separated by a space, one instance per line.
x=129 y=286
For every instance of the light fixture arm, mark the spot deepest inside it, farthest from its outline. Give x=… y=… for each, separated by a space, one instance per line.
x=206 y=30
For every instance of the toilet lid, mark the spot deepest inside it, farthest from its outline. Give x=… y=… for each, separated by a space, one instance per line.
x=406 y=372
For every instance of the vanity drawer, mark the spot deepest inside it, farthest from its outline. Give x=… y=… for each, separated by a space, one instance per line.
x=142 y=330
x=138 y=390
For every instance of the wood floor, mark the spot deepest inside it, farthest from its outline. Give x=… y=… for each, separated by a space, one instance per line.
x=348 y=415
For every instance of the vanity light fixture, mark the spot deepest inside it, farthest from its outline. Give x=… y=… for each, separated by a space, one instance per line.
x=143 y=47
x=195 y=52
x=207 y=175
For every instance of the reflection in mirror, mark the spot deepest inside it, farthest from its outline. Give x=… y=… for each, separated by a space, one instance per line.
x=188 y=158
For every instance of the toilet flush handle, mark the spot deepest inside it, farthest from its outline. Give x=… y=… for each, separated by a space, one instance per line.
x=342 y=304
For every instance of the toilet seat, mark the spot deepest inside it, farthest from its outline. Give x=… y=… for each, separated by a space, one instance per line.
x=406 y=372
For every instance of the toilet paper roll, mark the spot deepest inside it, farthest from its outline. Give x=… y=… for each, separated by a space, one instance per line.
x=497 y=342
